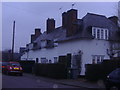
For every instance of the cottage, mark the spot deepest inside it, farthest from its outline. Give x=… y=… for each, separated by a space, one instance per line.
x=89 y=40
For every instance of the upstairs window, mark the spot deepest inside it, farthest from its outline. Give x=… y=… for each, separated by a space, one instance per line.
x=43 y=43
x=100 y=33
x=106 y=34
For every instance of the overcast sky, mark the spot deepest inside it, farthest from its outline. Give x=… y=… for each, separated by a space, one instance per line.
x=31 y=15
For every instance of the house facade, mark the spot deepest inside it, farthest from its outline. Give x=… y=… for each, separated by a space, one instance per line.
x=89 y=40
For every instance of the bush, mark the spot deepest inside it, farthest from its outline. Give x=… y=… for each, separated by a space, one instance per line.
x=51 y=70
x=27 y=66
x=95 y=72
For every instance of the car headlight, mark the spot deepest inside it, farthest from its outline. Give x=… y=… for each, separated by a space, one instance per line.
x=10 y=67
x=108 y=76
x=20 y=68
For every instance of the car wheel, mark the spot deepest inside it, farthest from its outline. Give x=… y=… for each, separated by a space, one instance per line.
x=114 y=88
x=21 y=74
x=7 y=72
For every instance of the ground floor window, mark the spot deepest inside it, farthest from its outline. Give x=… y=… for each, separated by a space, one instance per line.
x=37 y=59
x=44 y=60
x=118 y=54
x=55 y=59
x=96 y=59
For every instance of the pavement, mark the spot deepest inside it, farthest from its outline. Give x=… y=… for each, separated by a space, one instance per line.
x=80 y=82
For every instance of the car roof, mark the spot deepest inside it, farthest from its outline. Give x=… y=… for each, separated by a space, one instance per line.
x=13 y=62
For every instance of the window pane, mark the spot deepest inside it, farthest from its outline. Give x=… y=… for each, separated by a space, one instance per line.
x=98 y=34
x=106 y=34
x=102 y=34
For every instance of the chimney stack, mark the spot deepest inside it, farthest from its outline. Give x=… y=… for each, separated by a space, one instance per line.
x=36 y=35
x=71 y=20
x=64 y=20
x=32 y=38
x=50 y=25
x=114 y=19
x=37 y=32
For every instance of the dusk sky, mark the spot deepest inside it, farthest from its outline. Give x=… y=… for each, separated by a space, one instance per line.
x=31 y=15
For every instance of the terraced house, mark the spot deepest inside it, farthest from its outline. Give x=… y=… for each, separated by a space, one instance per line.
x=89 y=40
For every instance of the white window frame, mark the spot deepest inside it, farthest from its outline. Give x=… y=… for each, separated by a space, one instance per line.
x=102 y=32
x=96 y=57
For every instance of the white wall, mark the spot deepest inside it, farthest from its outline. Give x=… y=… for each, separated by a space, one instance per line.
x=88 y=47
x=41 y=53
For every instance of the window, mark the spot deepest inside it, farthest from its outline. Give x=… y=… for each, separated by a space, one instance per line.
x=106 y=34
x=50 y=61
x=93 y=60
x=118 y=54
x=102 y=36
x=102 y=57
x=43 y=43
x=55 y=59
x=34 y=44
x=93 y=31
x=96 y=59
x=37 y=59
x=44 y=60
x=100 y=33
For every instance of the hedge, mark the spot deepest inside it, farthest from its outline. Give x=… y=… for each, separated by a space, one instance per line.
x=100 y=71
x=57 y=71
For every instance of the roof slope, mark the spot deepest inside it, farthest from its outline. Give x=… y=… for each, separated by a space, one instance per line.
x=84 y=30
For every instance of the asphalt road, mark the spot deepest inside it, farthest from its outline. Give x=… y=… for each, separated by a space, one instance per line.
x=31 y=81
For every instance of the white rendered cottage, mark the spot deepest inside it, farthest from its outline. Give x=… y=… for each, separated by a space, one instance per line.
x=90 y=39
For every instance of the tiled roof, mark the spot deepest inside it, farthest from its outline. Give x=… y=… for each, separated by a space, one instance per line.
x=87 y=21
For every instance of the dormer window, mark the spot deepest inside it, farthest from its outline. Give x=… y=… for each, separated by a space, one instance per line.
x=100 y=33
x=34 y=44
x=43 y=43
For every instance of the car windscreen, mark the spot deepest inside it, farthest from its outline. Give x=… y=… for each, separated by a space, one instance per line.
x=4 y=63
x=14 y=64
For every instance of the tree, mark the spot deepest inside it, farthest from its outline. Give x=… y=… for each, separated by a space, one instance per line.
x=7 y=55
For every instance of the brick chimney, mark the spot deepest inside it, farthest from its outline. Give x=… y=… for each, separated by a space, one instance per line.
x=71 y=28
x=64 y=20
x=36 y=35
x=114 y=19
x=37 y=32
x=32 y=37
x=50 y=25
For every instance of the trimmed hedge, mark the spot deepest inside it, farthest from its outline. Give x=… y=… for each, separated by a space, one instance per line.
x=57 y=71
x=27 y=66
x=95 y=72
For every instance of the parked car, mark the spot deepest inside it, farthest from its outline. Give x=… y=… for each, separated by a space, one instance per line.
x=3 y=64
x=0 y=66
x=14 y=68
x=113 y=80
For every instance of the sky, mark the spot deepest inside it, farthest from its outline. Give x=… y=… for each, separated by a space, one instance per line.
x=31 y=15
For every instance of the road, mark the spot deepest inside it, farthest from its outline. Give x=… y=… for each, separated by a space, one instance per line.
x=31 y=81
